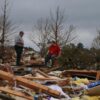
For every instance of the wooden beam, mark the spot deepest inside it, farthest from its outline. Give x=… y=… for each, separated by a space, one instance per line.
x=42 y=73
x=79 y=72
x=6 y=75
x=98 y=76
x=38 y=78
x=37 y=86
x=52 y=69
x=29 y=84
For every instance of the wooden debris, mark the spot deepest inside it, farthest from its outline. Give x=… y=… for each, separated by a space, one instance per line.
x=6 y=67
x=38 y=78
x=29 y=84
x=16 y=93
x=37 y=87
x=52 y=69
x=42 y=73
x=98 y=75
x=79 y=72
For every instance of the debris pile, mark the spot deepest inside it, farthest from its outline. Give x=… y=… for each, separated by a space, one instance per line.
x=34 y=81
x=29 y=83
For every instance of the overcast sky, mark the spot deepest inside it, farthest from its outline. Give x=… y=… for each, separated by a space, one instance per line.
x=83 y=14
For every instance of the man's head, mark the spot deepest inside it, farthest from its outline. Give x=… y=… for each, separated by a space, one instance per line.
x=21 y=33
x=53 y=43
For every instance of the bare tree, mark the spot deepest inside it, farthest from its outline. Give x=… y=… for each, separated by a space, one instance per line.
x=96 y=41
x=42 y=32
x=7 y=28
x=59 y=32
x=53 y=28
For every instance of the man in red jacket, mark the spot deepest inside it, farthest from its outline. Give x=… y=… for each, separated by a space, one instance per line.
x=53 y=52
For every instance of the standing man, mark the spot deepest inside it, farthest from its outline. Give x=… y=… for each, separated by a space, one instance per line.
x=53 y=52
x=19 y=44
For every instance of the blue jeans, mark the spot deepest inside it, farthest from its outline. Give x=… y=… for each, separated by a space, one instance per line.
x=48 y=58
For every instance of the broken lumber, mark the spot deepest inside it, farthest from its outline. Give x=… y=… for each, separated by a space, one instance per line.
x=16 y=93
x=37 y=86
x=38 y=78
x=42 y=73
x=29 y=84
x=79 y=72
x=52 y=69
x=98 y=75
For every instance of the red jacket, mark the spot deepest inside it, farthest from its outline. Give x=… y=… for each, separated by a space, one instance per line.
x=54 y=50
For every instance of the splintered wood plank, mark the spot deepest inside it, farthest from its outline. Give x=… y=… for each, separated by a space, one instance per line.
x=79 y=72
x=38 y=78
x=6 y=75
x=42 y=73
x=98 y=76
x=29 y=84
x=52 y=69
x=37 y=86
x=16 y=93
